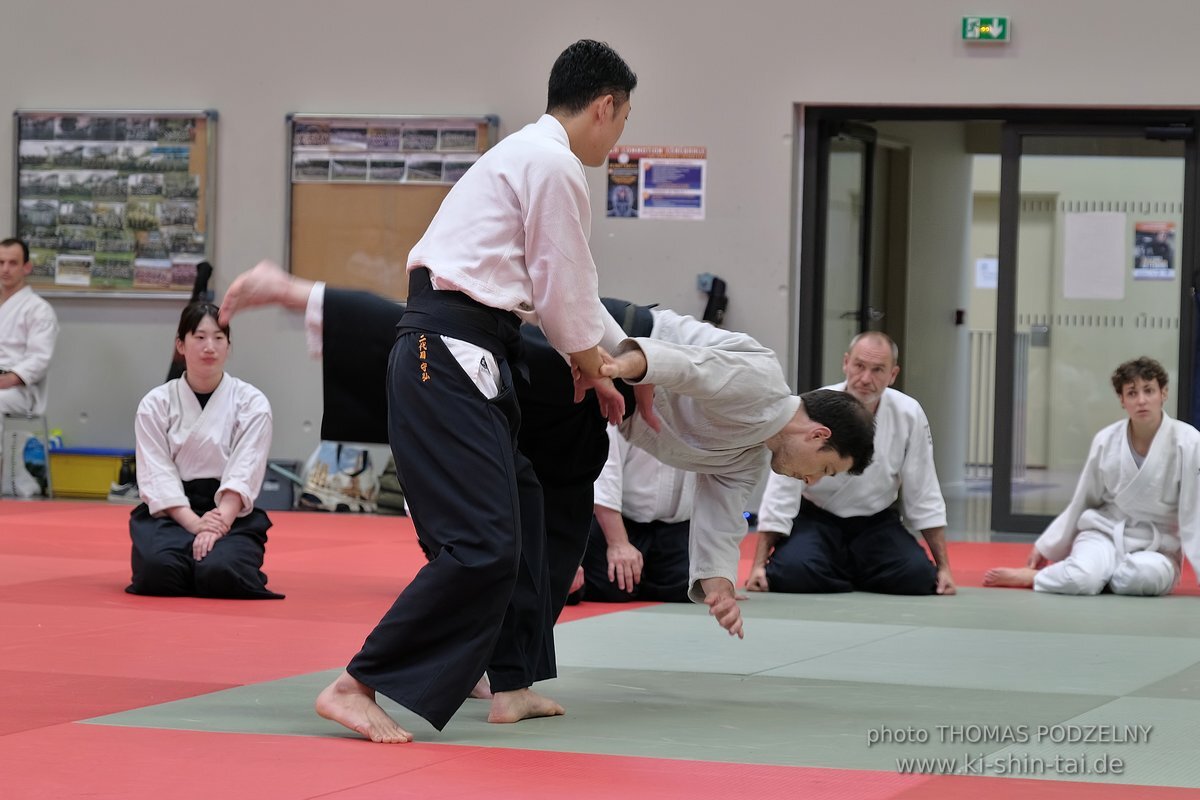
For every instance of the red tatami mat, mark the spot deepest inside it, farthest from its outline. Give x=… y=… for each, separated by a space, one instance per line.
x=68 y=761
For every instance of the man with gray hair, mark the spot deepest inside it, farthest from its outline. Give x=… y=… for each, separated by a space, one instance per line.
x=846 y=533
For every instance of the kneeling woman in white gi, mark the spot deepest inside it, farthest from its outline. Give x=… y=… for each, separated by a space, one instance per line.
x=1137 y=505
x=202 y=445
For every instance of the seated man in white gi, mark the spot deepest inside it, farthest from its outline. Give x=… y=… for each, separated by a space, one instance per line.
x=1137 y=504
x=722 y=405
x=28 y=330
x=846 y=533
x=638 y=545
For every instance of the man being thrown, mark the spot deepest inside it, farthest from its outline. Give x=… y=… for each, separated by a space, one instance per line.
x=722 y=403
x=845 y=533
x=1137 y=504
x=353 y=328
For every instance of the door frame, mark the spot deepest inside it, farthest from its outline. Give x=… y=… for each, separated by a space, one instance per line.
x=815 y=123
x=1003 y=517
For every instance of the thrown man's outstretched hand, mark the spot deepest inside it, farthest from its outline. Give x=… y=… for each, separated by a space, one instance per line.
x=721 y=600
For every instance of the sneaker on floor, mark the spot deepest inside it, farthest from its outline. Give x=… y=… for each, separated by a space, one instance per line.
x=124 y=493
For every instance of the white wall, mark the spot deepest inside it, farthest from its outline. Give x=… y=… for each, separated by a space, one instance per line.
x=727 y=82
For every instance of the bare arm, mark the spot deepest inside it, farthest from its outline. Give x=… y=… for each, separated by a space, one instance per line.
x=936 y=539
x=624 y=560
x=757 y=581
x=266 y=284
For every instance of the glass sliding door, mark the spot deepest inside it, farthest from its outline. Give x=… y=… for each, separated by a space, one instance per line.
x=1093 y=228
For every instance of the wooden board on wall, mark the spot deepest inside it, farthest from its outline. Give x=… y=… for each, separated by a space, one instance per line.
x=364 y=188
x=357 y=236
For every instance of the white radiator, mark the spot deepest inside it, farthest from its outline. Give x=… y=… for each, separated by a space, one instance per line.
x=982 y=415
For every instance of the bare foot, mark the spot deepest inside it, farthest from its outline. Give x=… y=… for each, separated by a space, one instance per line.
x=263 y=285
x=1018 y=577
x=522 y=704
x=352 y=704
x=483 y=689
x=577 y=583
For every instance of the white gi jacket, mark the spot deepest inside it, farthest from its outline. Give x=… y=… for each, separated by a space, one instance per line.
x=513 y=234
x=639 y=487
x=903 y=460
x=28 y=330
x=1156 y=507
x=719 y=396
x=177 y=441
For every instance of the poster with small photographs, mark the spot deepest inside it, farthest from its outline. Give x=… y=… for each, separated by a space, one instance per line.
x=362 y=188
x=423 y=150
x=116 y=202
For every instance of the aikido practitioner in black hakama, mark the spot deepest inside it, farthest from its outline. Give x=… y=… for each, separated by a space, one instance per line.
x=510 y=238
x=202 y=446
x=566 y=442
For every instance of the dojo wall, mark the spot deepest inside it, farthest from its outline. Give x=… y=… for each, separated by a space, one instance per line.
x=708 y=78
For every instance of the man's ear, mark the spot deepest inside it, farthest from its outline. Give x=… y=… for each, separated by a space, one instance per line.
x=605 y=106
x=820 y=432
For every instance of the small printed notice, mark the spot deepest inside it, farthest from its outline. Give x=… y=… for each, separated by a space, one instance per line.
x=657 y=182
x=1154 y=251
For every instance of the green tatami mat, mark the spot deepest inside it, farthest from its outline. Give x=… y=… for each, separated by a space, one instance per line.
x=841 y=681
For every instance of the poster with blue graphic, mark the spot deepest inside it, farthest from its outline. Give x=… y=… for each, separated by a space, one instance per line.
x=657 y=182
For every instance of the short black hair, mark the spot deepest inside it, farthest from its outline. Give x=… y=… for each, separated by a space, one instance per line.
x=1142 y=367
x=851 y=425
x=24 y=247
x=584 y=71
x=194 y=313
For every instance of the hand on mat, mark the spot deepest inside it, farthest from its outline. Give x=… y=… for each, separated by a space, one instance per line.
x=722 y=604
x=624 y=565
x=757 y=582
x=1036 y=560
x=945 y=581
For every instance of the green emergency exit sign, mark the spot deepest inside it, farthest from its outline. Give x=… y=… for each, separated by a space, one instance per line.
x=986 y=29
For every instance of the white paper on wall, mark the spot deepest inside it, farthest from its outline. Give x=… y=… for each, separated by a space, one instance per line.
x=987 y=273
x=1094 y=256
